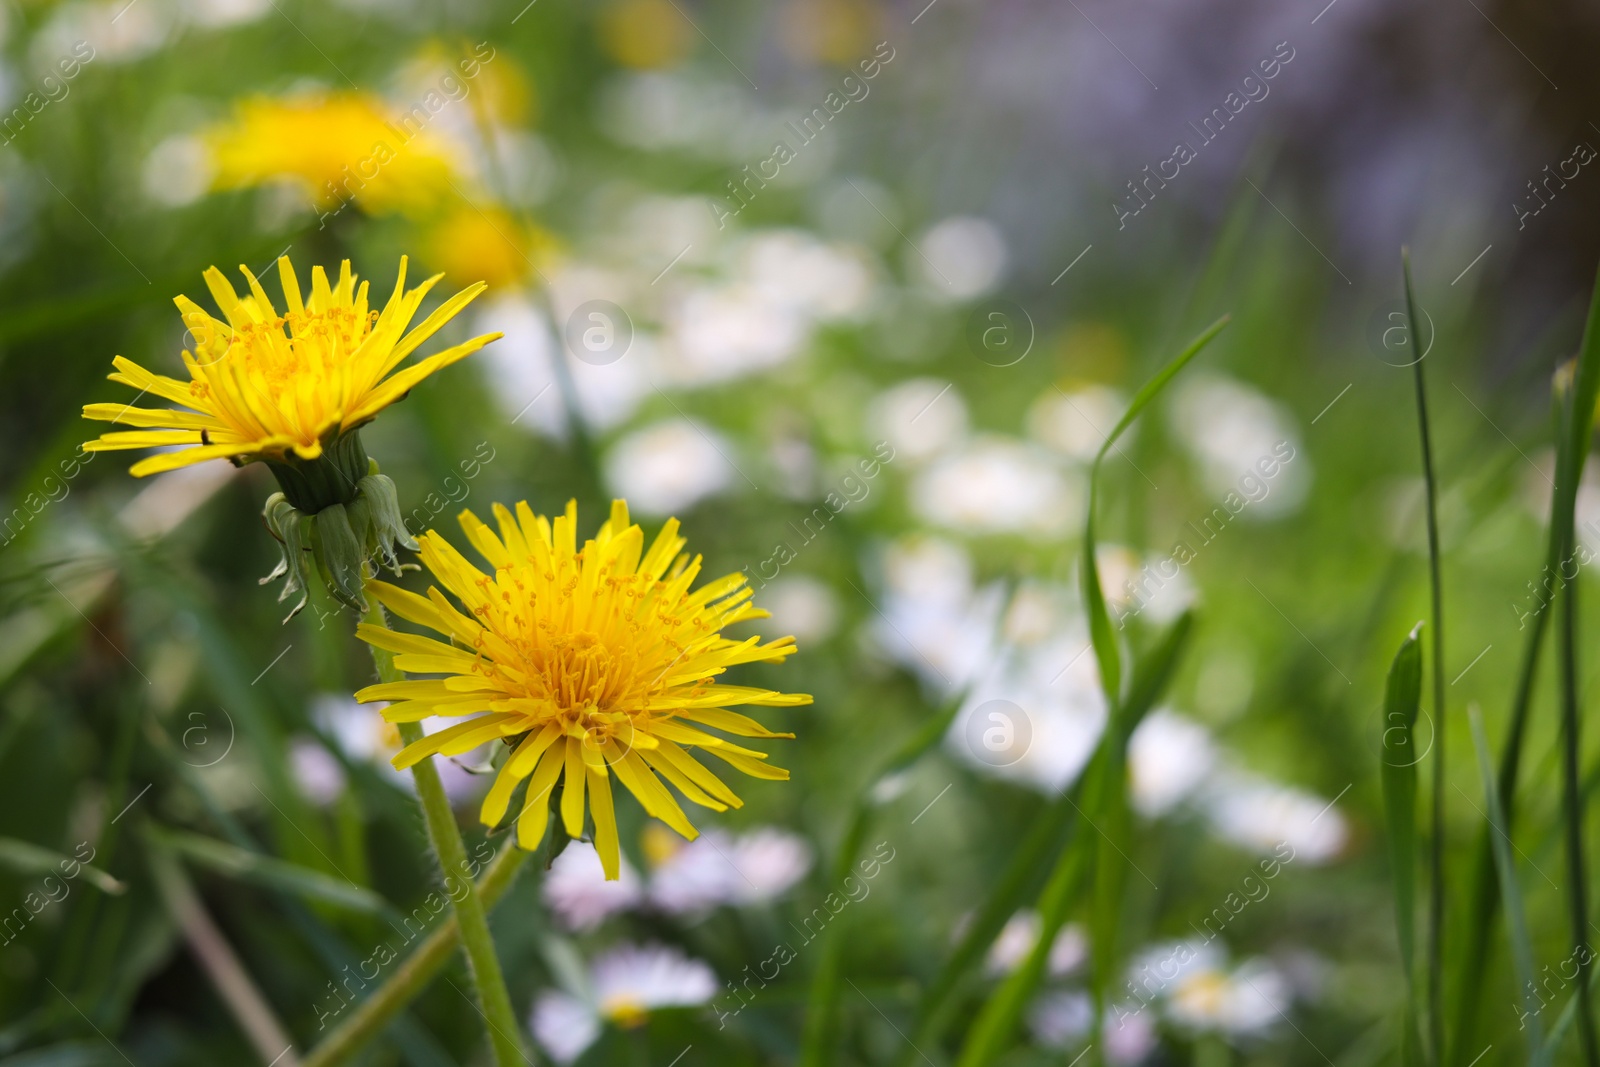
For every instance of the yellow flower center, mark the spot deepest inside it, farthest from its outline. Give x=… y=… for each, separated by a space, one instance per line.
x=625 y=1011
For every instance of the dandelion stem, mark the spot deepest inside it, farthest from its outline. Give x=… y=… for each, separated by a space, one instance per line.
x=445 y=836
x=370 y=1016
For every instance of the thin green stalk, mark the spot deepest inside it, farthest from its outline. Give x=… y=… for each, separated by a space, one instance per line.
x=369 y=1017
x=1516 y=917
x=1485 y=883
x=1577 y=390
x=1436 y=844
x=1571 y=792
x=1486 y=886
x=493 y=1000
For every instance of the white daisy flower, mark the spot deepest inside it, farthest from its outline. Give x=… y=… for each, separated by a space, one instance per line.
x=1169 y=757
x=1020 y=934
x=919 y=417
x=1242 y=439
x=1263 y=815
x=1244 y=1001
x=1076 y=423
x=624 y=986
x=719 y=868
x=999 y=485
x=576 y=890
x=669 y=467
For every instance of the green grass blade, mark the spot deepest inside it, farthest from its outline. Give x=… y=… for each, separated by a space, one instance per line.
x=817 y=1039
x=1401 y=700
x=1106 y=653
x=1105 y=776
x=254 y=867
x=992 y=1031
x=1485 y=883
x=1516 y=917
x=1558 y=1032
x=1398 y=759
x=1577 y=401
x=1436 y=895
x=27 y=858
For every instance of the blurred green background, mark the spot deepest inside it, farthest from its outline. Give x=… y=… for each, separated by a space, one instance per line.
x=942 y=277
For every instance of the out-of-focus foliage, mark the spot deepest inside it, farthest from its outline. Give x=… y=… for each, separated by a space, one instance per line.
x=847 y=290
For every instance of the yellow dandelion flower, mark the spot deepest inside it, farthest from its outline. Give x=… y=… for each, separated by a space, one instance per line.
x=284 y=387
x=341 y=147
x=595 y=664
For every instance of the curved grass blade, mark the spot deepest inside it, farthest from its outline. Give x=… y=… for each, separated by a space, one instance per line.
x=1516 y=917
x=245 y=865
x=24 y=857
x=1150 y=680
x=1106 y=653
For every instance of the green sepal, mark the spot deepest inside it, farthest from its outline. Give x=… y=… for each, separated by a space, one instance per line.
x=339 y=552
x=388 y=527
x=288 y=526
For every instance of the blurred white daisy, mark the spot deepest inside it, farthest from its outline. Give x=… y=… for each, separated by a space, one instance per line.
x=316 y=771
x=998 y=485
x=719 y=332
x=1076 y=422
x=575 y=888
x=220 y=13
x=1260 y=815
x=1153 y=588
x=1129 y=1034
x=1169 y=757
x=119 y=32
x=177 y=171
x=1033 y=710
x=624 y=986
x=719 y=868
x=669 y=467
x=801 y=606
x=1061 y=1018
x=521 y=373
x=932 y=621
x=1236 y=432
x=657 y=230
x=363 y=736
x=825 y=281
x=959 y=258
x=1239 y=1002
x=919 y=417
x=662 y=110
x=1018 y=937
x=1035 y=716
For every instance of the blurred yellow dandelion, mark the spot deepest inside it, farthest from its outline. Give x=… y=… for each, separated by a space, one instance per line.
x=270 y=386
x=341 y=148
x=487 y=243
x=594 y=663
x=644 y=34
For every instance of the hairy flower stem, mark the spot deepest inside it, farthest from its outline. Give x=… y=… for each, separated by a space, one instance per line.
x=493 y=1000
x=369 y=1017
